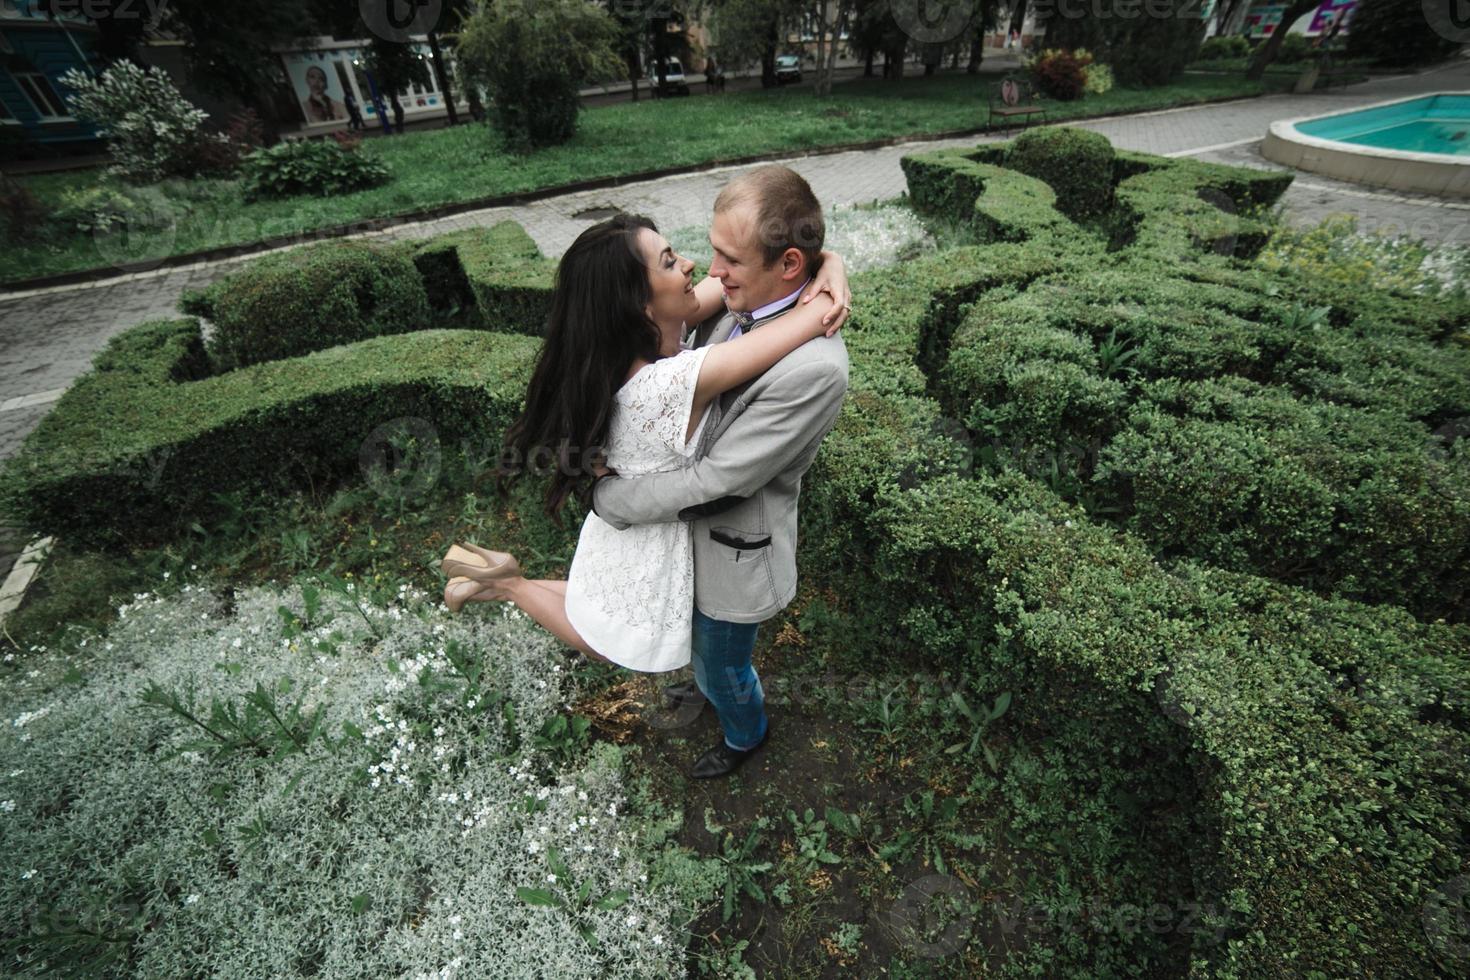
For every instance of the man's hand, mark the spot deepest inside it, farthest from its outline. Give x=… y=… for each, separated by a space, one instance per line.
x=831 y=279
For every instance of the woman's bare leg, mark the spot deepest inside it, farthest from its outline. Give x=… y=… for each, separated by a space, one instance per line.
x=545 y=601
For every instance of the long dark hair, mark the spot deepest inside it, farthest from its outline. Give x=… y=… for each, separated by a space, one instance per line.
x=596 y=329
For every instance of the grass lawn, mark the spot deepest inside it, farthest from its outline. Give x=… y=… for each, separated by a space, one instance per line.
x=466 y=163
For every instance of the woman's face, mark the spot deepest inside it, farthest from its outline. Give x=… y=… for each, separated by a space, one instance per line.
x=316 y=80
x=670 y=281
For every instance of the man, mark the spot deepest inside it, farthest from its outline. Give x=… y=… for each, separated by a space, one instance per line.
x=741 y=491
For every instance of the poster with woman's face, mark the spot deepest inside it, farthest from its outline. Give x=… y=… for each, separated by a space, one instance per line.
x=318 y=89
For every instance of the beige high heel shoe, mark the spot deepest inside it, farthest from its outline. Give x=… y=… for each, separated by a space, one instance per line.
x=472 y=561
x=460 y=590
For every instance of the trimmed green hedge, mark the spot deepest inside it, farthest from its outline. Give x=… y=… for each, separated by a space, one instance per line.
x=496 y=275
x=1305 y=753
x=1076 y=163
x=291 y=303
x=1278 y=473
x=135 y=450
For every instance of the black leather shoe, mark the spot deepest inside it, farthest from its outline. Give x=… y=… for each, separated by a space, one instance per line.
x=681 y=694
x=723 y=760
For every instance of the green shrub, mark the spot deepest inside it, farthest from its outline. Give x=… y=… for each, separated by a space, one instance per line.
x=100 y=210
x=323 y=168
x=1230 y=46
x=1000 y=205
x=1294 y=49
x=1076 y=163
x=497 y=273
x=533 y=58
x=307 y=299
x=137 y=449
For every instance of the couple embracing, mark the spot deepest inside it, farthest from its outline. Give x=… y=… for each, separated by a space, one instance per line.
x=710 y=401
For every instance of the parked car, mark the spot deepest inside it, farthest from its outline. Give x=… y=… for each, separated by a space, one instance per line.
x=788 y=68
x=674 y=83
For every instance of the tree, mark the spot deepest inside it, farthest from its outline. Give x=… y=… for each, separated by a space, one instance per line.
x=752 y=27
x=533 y=56
x=1266 y=53
x=1150 y=49
x=229 y=47
x=831 y=20
x=395 y=65
x=1395 y=33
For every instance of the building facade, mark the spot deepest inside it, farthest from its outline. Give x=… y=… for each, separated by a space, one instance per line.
x=35 y=51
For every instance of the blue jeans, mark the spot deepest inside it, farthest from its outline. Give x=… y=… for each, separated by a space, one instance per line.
x=724 y=673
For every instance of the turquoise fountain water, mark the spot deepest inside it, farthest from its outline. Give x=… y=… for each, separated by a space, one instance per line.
x=1432 y=124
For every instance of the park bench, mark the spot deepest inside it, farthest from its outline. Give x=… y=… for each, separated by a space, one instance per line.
x=1016 y=98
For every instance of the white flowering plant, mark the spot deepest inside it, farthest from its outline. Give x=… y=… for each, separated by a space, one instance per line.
x=151 y=129
x=866 y=237
x=296 y=781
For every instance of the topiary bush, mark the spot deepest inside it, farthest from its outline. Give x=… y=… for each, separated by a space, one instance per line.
x=323 y=168
x=309 y=299
x=1076 y=163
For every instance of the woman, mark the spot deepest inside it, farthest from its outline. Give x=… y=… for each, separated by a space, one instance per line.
x=613 y=374
x=321 y=107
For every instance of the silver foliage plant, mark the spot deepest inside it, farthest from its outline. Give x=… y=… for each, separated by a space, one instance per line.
x=394 y=854
x=866 y=237
x=152 y=130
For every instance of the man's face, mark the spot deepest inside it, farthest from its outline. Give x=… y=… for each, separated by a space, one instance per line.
x=740 y=265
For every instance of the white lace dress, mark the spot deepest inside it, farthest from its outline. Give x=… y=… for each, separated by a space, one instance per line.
x=630 y=594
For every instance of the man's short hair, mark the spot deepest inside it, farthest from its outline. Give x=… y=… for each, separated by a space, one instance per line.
x=788 y=214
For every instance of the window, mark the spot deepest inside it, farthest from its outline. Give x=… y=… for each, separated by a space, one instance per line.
x=38 y=89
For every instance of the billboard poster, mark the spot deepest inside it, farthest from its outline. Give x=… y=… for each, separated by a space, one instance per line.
x=317 y=87
x=1327 y=14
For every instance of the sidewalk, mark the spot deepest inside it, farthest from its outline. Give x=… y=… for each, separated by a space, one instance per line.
x=52 y=334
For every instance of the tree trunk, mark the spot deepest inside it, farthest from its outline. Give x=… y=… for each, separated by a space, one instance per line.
x=868 y=63
x=1266 y=53
x=977 y=51
x=632 y=66
x=768 y=55
x=1018 y=17
x=443 y=78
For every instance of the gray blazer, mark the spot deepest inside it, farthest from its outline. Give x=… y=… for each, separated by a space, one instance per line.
x=740 y=493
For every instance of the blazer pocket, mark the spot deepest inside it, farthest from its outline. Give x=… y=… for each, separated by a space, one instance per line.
x=735 y=538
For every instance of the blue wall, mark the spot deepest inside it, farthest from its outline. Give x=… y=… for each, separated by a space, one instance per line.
x=48 y=50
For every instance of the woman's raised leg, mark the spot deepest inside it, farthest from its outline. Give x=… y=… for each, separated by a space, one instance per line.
x=545 y=601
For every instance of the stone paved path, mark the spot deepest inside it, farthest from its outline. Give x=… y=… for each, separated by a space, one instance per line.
x=48 y=337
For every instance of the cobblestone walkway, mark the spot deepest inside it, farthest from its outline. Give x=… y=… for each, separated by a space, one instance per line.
x=50 y=335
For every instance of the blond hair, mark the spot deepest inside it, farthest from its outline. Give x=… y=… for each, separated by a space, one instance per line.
x=787 y=213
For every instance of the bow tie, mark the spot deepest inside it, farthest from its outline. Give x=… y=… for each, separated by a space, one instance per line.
x=743 y=320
